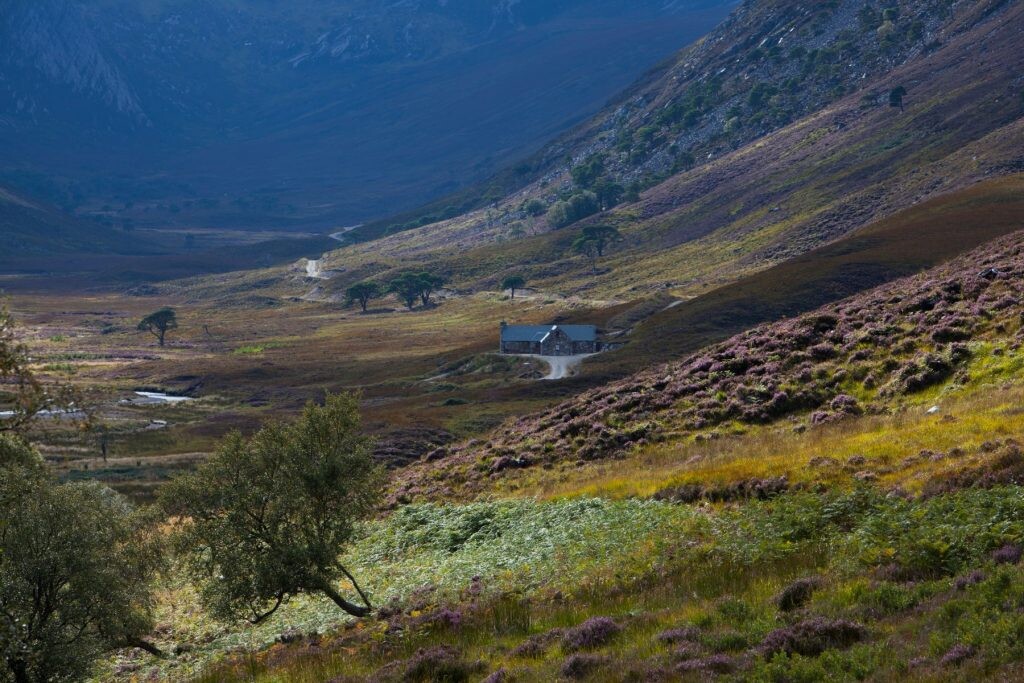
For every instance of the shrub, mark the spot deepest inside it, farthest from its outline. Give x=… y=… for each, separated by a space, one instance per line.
x=812 y=637
x=962 y=583
x=581 y=666
x=537 y=645
x=715 y=664
x=957 y=655
x=1008 y=554
x=442 y=664
x=679 y=635
x=591 y=634
x=797 y=594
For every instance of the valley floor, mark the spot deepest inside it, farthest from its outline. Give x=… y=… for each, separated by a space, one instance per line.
x=427 y=376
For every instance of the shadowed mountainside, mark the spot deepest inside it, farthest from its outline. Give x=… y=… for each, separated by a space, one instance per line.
x=308 y=112
x=842 y=167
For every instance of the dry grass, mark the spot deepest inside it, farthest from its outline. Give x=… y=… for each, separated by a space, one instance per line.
x=890 y=444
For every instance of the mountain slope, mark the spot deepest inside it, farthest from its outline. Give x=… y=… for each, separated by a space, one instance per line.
x=767 y=65
x=311 y=111
x=865 y=353
x=30 y=228
x=843 y=167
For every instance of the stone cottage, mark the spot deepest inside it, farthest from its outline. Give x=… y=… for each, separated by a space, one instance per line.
x=549 y=340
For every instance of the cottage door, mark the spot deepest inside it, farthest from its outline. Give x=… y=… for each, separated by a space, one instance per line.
x=560 y=344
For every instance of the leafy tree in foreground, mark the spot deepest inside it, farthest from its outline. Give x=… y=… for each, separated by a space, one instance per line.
x=26 y=396
x=363 y=293
x=513 y=283
x=267 y=518
x=159 y=323
x=76 y=564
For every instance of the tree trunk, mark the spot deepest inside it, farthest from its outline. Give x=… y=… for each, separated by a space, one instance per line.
x=513 y=294
x=161 y=336
x=355 y=610
x=19 y=670
x=145 y=646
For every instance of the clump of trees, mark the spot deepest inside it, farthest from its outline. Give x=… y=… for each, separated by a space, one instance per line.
x=595 y=191
x=512 y=283
x=575 y=208
x=267 y=518
x=594 y=240
x=363 y=292
x=159 y=323
x=413 y=287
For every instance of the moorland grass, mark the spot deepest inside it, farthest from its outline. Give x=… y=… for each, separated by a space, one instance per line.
x=718 y=588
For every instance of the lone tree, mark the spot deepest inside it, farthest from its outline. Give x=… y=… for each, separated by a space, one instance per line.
x=408 y=287
x=513 y=283
x=363 y=292
x=267 y=518
x=594 y=240
x=159 y=323
x=76 y=569
x=896 y=96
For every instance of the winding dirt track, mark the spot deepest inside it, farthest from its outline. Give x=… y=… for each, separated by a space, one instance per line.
x=561 y=366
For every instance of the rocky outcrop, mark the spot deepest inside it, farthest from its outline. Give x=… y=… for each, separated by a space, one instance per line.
x=50 y=44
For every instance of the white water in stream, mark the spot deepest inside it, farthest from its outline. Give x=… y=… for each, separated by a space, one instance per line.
x=157 y=397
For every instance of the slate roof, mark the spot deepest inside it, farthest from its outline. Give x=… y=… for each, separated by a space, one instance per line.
x=536 y=333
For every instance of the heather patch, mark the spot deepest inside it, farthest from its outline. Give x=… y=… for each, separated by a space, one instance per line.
x=591 y=634
x=812 y=637
x=861 y=355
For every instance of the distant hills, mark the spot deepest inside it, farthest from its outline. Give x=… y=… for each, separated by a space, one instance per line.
x=306 y=112
x=29 y=228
